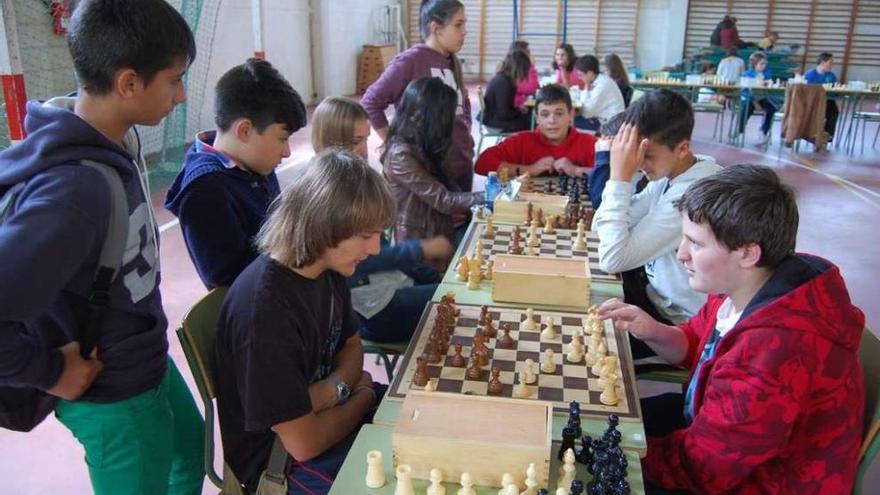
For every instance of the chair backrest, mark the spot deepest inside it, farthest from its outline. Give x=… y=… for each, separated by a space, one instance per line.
x=196 y=335
x=868 y=354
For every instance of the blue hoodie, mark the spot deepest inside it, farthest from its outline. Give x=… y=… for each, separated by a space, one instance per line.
x=221 y=208
x=49 y=249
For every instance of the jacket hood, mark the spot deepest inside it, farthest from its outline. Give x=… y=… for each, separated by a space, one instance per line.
x=56 y=135
x=807 y=294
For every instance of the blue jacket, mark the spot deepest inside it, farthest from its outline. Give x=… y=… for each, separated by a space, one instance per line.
x=49 y=249
x=599 y=176
x=221 y=208
x=814 y=77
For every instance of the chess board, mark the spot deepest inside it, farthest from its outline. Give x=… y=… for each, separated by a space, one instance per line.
x=557 y=245
x=539 y=185
x=569 y=382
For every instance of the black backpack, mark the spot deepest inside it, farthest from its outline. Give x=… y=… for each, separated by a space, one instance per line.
x=22 y=409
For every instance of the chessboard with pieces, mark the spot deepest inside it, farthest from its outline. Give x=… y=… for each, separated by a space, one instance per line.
x=454 y=350
x=562 y=185
x=560 y=243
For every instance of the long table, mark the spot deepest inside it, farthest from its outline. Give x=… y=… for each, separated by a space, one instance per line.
x=851 y=100
x=378 y=436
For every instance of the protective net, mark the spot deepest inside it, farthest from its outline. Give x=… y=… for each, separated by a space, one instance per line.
x=48 y=71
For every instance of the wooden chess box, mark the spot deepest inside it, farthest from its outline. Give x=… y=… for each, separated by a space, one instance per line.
x=538 y=280
x=516 y=211
x=484 y=436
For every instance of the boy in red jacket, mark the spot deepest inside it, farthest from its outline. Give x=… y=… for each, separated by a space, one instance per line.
x=554 y=147
x=776 y=395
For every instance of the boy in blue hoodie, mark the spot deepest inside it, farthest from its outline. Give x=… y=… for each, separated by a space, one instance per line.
x=228 y=180
x=127 y=403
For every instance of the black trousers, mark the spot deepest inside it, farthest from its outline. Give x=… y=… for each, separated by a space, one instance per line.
x=831 y=113
x=635 y=283
x=662 y=415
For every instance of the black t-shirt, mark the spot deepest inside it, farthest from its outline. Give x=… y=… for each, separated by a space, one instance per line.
x=277 y=334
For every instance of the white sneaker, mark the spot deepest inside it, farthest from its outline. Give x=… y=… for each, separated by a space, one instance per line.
x=763 y=138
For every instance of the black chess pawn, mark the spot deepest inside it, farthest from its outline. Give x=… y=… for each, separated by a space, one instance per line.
x=548 y=187
x=585 y=183
x=543 y=491
x=577 y=487
x=622 y=463
x=560 y=185
x=568 y=437
x=620 y=487
x=613 y=420
x=614 y=473
x=585 y=455
x=594 y=488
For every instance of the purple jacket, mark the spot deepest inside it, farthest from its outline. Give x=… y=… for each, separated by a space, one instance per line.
x=417 y=62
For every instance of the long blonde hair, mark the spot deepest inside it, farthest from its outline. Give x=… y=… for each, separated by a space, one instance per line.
x=333 y=123
x=333 y=197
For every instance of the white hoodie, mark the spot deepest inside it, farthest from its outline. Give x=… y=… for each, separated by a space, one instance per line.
x=645 y=229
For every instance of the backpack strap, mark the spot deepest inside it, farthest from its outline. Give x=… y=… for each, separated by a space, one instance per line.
x=111 y=255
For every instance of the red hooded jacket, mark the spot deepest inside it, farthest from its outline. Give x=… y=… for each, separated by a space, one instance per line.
x=779 y=406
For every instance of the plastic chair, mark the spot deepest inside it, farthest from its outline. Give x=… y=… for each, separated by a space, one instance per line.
x=197 y=334
x=868 y=352
x=486 y=131
x=383 y=350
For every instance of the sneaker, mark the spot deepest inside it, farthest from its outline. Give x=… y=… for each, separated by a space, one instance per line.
x=763 y=138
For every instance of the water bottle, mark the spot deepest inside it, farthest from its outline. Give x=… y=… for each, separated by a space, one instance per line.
x=493 y=187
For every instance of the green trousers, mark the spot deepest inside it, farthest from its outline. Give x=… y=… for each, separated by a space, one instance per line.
x=150 y=444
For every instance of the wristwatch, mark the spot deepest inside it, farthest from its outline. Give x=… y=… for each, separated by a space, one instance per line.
x=343 y=391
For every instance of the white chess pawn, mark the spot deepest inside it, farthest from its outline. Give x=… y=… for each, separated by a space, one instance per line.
x=478 y=253
x=530 y=322
x=375 y=472
x=530 y=251
x=576 y=350
x=548 y=225
x=549 y=333
x=490 y=226
x=580 y=242
x=436 y=487
x=533 y=235
x=531 y=480
x=404 y=480
x=431 y=386
x=548 y=366
x=511 y=489
x=467 y=485
x=506 y=480
x=567 y=471
x=521 y=390
x=530 y=377
x=562 y=491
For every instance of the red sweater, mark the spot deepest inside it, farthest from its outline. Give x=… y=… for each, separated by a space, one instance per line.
x=527 y=147
x=779 y=407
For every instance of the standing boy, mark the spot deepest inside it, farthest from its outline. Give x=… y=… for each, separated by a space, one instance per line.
x=223 y=192
x=554 y=147
x=135 y=418
x=643 y=230
x=776 y=395
x=289 y=314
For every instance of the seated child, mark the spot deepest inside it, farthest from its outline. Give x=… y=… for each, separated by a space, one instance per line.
x=758 y=71
x=292 y=358
x=527 y=87
x=389 y=290
x=500 y=110
x=731 y=67
x=601 y=98
x=228 y=178
x=776 y=395
x=554 y=147
x=428 y=202
x=563 y=63
x=643 y=230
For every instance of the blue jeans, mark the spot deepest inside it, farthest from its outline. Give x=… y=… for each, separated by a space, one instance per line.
x=316 y=475
x=397 y=322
